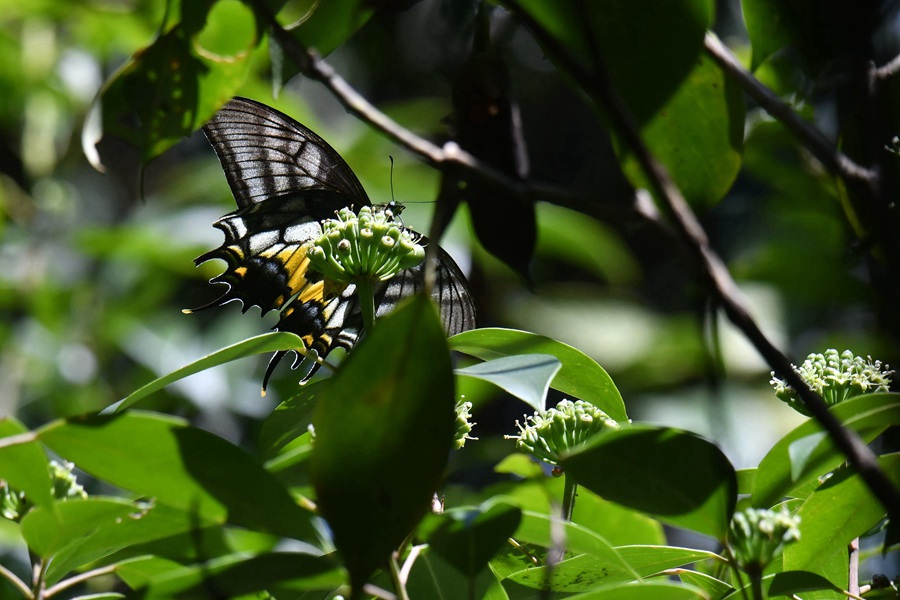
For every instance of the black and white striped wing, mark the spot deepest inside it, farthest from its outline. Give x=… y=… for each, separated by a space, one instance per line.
x=286 y=181
x=266 y=154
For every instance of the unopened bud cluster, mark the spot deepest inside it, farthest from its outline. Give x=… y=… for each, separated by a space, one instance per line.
x=835 y=377
x=463 y=426
x=367 y=244
x=14 y=504
x=758 y=536
x=548 y=435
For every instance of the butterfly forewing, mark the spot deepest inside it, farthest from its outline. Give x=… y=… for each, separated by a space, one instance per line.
x=286 y=181
x=266 y=154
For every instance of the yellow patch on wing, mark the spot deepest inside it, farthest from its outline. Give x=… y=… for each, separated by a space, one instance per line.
x=312 y=291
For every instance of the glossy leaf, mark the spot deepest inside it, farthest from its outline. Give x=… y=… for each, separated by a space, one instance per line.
x=261 y=344
x=434 y=577
x=282 y=574
x=766 y=28
x=468 y=537
x=323 y=26
x=170 y=86
x=23 y=463
x=525 y=376
x=673 y=475
x=140 y=571
x=647 y=590
x=648 y=560
x=779 y=471
x=706 y=117
x=539 y=529
x=80 y=531
x=384 y=427
x=681 y=94
x=576 y=574
x=289 y=419
x=580 y=375
x=714 y=588
x=841 y=509
x=787 y=584
x=182 y=467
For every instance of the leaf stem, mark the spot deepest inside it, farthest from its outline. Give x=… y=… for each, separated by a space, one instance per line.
x=570 y=487
x=67 y=583
x=17 y=583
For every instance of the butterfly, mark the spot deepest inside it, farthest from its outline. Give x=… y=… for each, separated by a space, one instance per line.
x=286 y=181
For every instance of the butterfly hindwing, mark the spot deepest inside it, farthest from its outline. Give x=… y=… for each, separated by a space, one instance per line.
x=286 y=181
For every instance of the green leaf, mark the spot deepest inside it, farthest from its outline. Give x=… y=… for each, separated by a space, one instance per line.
x=384 y=428
x=796 y=582
x=525 y=376
x=323 y=26
x=649 y=560
x=681 y=96
x=434 y=577
x=646 y=590
x=140 y=571
x=777 y=475
x=80 y=531
x=706 y=117
x=841 y=509
x=577 y=574
x=745 y=478
x=766 y=28
x=673 y=475
x=173 y=86
x=279 y=573
x=261 y=344
x=541 y=530
x=23 y=463
x=468 y=537
x=580 y=375
x=714 y=588
x=617 y=524
x=289 y=420
x=182 y=467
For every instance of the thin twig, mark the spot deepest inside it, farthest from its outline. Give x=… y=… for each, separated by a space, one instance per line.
x=853 y=570
x=16 y=581
x=451 y=155
x=827 y=153
x=67 y=583
x=598 y=85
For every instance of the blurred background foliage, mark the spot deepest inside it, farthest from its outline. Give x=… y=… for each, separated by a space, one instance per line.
x=97 y=266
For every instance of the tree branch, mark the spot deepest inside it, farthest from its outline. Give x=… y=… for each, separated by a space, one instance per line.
x=451 y=155
x=599 y=86
x=835 y=161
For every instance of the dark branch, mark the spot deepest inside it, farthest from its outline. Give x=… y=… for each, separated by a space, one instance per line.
x=813 y=139
x=449 y=157
x=598 y=85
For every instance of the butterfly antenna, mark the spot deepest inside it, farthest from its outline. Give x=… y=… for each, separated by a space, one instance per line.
x=392 y=178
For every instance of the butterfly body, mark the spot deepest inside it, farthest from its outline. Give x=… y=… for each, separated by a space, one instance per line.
x=286 y=181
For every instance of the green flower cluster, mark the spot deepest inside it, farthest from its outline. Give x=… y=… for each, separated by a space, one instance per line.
x=549 y=435
x=757 y=536
x=14 y=504
x=835 y=377
x=463 y=426
x=368 y=244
